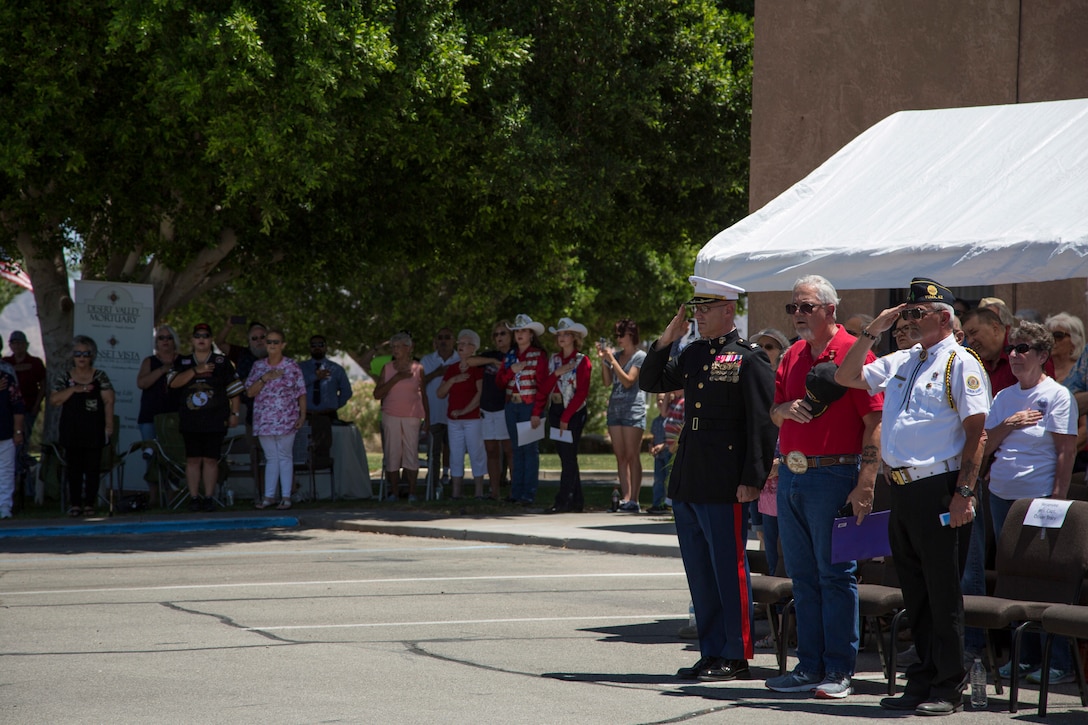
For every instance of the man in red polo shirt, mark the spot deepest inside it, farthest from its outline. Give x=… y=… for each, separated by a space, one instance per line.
x=830 y=441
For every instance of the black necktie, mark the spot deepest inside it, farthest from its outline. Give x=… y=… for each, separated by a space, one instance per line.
x=317 y=391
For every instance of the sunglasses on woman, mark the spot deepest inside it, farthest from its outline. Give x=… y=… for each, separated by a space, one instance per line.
x=1059 y=335
x=81 y=353
x=1021 y=349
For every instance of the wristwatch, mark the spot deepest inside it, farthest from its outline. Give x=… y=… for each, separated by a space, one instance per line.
x=965 y=491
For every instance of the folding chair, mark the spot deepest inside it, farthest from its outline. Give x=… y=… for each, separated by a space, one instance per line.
x=312 y=447
x=1036 y=568
x=1065 y=620
x=112 y=460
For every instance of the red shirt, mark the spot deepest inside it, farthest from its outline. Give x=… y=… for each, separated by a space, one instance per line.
x=839 y=430
x=462 y=393
x=31 y=375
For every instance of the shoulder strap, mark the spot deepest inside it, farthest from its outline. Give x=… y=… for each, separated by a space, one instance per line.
x=948 y=373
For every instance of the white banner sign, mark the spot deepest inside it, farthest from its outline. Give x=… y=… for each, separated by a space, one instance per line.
x=120 y=318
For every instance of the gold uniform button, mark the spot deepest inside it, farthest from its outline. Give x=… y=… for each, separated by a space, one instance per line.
x=698 y=405
x=730 y=447
x=700 y=386
x=706 y=367
x=713 y=351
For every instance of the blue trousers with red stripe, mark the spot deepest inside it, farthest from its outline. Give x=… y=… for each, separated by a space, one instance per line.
x=712 y=543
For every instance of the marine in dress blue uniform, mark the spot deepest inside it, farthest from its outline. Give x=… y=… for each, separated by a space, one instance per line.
x=722 y=459
x=936 y=396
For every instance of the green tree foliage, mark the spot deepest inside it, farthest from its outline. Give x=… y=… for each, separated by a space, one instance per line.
x=595 y=148
x=369 y=166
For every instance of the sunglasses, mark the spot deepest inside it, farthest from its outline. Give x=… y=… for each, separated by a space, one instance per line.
x=257 y=338
x=1059 y=335
x=1021 y=349
x=270 y=341
x=81 y=353
x=770 y=346
x=317 y=344
x=701 y=309
x=201 y=336
x=914 y=313
x=500 y=333
x=164 y=338
x=805 y=308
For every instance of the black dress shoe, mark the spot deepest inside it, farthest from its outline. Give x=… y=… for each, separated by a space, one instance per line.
x=905 y=702
x=697 y=669
x=728 y=670
x=938 y=706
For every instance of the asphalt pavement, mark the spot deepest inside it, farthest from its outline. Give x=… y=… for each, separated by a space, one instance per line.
x=644 y=535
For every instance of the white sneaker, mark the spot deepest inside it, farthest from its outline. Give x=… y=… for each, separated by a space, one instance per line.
x=834 y=687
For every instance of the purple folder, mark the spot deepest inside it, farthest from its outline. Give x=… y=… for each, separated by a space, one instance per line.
x=850 y=542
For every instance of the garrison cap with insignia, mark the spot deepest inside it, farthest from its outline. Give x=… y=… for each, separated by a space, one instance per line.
x=711 y=290
x=821 y=390
x=926 y=290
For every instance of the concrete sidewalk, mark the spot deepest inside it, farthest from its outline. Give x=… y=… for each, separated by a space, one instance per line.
x=617 y=533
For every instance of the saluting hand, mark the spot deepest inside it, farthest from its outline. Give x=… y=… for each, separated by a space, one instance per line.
x=677 y=328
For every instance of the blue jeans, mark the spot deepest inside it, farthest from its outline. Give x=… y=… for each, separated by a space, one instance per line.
x=973 y=580
x=1031 y=649
x=661 y=477
x=525 y=475
x=825 y=594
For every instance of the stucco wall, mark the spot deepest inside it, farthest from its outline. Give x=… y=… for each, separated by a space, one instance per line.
x=826 y=70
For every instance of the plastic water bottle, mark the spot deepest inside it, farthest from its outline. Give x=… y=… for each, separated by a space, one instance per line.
x=978 y=685
x=615 y=500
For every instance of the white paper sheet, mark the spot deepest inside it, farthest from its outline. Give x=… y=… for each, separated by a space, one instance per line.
x=527 y=434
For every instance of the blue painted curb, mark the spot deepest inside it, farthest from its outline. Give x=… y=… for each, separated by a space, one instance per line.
x=149 y=527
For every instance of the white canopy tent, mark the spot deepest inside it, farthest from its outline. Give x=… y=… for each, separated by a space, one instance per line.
x=966 y=196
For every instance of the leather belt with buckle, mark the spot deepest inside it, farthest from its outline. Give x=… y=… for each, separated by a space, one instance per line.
x=798 y=462
x=907 y=474
x=515 y=398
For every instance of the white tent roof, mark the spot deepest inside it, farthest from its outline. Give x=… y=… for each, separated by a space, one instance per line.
x=966 y=196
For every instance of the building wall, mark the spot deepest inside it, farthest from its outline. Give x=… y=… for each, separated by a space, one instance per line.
x=826 y=70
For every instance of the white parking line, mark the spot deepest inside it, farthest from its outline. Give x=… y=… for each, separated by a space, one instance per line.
x=469 y=621
x=347 y=582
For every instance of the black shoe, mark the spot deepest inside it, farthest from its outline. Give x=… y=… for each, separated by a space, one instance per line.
x=939 y=706
x=696 y=670
x=208 y=503
x=904 y=703
x=728 y=670
x=659 y=510
x=195 y=504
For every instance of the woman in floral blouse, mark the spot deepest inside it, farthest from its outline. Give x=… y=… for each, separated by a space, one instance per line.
x=278 y=392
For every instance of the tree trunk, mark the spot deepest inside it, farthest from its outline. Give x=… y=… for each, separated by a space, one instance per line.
x=49 y=275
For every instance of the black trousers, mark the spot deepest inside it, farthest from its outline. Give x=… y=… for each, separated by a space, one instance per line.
x=929 y=559
x=83 y=474
x=569 y=497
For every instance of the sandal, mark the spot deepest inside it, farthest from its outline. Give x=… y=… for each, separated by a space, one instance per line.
x=766 y=643
x=284 y=504
x=75 y=511
x=263 y=503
